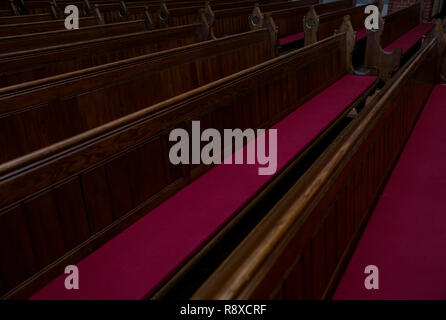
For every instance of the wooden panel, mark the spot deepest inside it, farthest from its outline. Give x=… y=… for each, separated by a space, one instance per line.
x=72 y=214
x=42 y=218
x=16 y=252
x=76 y=103
x=97 y=198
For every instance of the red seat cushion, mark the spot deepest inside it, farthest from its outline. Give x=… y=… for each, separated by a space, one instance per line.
x=291 y=38
x=139 y=259
x=406 y=234
x=360 y=34
x=410 y=38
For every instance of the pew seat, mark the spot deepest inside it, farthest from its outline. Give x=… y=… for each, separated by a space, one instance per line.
x=138 y=260
x=405 y=236
x=410 y=38
x=361 y=34
x=291 y=38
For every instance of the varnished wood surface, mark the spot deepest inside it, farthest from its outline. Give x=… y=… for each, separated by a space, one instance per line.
x=104 y=171
x=29 y=65
x=300 y=248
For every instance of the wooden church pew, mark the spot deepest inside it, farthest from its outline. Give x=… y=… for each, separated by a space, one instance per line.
x=300 y=248
x=129 y=152
x=160 y=11
x=30 y=65
x=52 y=38
x=289 y=21
x=397 y=38
x=319 y=26
x=43 y=26
x=71 y=103
x=25 y=18
x=235 y=20
x=405 y=233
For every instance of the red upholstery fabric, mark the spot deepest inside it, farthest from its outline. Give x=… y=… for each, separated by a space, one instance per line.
x=291 y=38
x=361 y=34
x=410 y=38
x=406 y=234
x=140 y=258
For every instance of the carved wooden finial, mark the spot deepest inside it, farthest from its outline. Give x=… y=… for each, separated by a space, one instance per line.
x=54 y=9
x=311 y=25
x=207 y=32
x=208 y=14
x=87 y=8
x=350 y=40
x=123 y=12
x=148 y=19
x=256 y=18
x=98 y=14
x=377 y=61
x=268 y=23
x=14 y=9
x=163 y=15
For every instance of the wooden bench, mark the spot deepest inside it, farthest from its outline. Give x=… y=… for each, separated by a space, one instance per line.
x=235 y=20
x=319 y=26
x=25 y=18
x=394 y=42
x=288 y=22
x=300 y=248
x=122 y=156
x=85 y=99
x=43 y=26
x=52 y=38
x=405 y=233
x=30 y=65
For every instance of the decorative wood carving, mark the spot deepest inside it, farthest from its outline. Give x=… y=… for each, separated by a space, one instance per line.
x=55 y=12
x=206 y=30
x=378 y=61
x=311 y=24
x=14 y=8
x=256 y=19
x=123 y=12
x=87 y=8
x=209 y=14
x=98 y=15
x=148 y=19
x=268 y=21
x=163 y=15
x=350 y=41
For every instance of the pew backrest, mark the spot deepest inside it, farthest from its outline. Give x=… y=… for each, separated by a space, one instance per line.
x=85 y=99
x=52 y=38
x=30 y=65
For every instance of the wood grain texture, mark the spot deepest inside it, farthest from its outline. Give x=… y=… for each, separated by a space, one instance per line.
x=346 y=181
x=132 y=152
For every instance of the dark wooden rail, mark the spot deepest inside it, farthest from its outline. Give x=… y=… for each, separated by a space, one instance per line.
x=29 y=65
x=52 y=38
x=300 y=248
x=84 y=99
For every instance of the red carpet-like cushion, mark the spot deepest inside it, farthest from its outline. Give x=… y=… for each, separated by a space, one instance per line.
x=410 y=38
x=361 y=34
x=406 y=234
x=139 y=259
x=291 y=38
